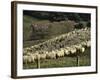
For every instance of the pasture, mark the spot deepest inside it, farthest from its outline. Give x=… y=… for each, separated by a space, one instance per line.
x=50 y=39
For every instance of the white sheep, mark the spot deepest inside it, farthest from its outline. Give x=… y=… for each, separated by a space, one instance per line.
x=88 y=43
x=84 y=44
x=43 y=56
x=73 y=50
x=24 y=51
x=28 y=48
x=33 y=56
x=66 y=52
x=78 y=47
x=28 y=59
x=60 y=53
x=32 y=47
x=51 y=55
x=37 y=55
x=25 y=59
x=29 y=53
x=82 y=49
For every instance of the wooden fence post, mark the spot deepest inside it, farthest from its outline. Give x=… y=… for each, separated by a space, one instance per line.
x=38 y=61
x=77 y=59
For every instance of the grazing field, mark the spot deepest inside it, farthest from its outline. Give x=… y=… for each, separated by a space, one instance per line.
x=52 y=40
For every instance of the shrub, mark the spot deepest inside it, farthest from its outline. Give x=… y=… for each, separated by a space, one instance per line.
x=79 y=26
x=88 y=24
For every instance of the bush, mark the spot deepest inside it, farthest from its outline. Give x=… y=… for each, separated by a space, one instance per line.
x=79 y=26
x=88 y=24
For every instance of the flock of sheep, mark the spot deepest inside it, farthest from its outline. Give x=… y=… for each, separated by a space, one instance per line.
x=72 y=43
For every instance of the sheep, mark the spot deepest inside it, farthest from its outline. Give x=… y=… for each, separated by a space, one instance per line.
x=84 y=44
x=28 y=53
x=24 y=51
x=73 y=32
x=28 y=49
x=80 y=48
x=73 y=50
x=32 y=47
x=88 y=43
x=66 y=52
x=34 y=56
x=43 y=56
x=28 y=59
x=60 y=53
x=37 y=54
x=57 y=46
x=51 y=55
x=86 y=29
x=25 y=59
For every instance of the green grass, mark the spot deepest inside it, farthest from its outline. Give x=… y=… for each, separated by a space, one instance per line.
x=55 y=29
x=60 y=62
x=67 y=61
x=30 y=43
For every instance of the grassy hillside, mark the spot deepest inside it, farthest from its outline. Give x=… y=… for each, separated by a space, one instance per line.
x=55 y=29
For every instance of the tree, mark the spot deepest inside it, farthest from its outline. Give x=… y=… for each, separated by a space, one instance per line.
x=88 y=24
x=79 y=26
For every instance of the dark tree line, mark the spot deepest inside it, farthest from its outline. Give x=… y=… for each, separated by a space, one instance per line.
x=58 y=16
